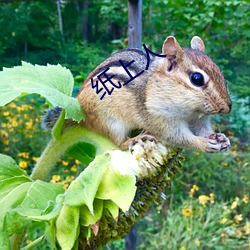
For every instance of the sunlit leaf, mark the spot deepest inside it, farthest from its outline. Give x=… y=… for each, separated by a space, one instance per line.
x=53 y=82
x=118 y=188
x=9 y=168
x=83 y=189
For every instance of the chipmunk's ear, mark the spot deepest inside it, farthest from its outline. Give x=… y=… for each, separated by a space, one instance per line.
x=172 y=49
x=197 y=43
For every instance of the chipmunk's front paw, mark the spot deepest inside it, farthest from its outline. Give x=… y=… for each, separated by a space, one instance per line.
x=218 y=142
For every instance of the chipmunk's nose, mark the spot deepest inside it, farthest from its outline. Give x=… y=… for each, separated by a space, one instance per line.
x=227 y=108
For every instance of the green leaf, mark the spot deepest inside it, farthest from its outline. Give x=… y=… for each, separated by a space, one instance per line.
x=50 y=213
x=112 y=208
x=34 y=243
x=86 y=218
x=86 y=231
x=67 y=226
x=9 y=168
x=4 y=240
x=20 y=197
x=14 y=223
x=118 y=188
x=53 y=82
x=14 y=198
x=83 y=189
x=6 y=186
x=39 y=194
x=83 y=152
x=50 y=234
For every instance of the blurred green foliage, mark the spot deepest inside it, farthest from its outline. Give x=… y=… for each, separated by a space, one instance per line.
x=30 y=32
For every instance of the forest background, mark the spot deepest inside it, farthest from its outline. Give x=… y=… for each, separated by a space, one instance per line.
x=207 y=205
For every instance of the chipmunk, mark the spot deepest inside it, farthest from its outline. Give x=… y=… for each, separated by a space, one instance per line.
x=171 y=101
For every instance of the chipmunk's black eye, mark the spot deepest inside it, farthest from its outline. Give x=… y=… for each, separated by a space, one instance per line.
x=197 y=79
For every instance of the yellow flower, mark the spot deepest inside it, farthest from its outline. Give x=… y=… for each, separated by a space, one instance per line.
x=197 y=242
x=234 y=152
x=6 y=113
x=203 y=199
x=193 y=190
x=77 y=162
x=247 y=227
x=12 y=105
x=35 y=159
x=211 y=195
x=4 y=134
x=238 y=233
x=24 y=154
x=73 y=168
x=235 y=203
x=238 y=218
x=70 y=178
x=224 y=164
x=6 y=141
x=23 y=164
x=29 y=124
x=183 y=248
x=187 y=211
x=197 y=152
x=14 y=123
x=65 y=163
x=223 y=220
x=55 y=178
x=245 y=199
x=65 y=185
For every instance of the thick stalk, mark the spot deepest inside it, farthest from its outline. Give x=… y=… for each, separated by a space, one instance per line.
x=57 y=147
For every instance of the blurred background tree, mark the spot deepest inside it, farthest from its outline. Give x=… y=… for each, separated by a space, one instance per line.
x=31 y=31
x=79 y=34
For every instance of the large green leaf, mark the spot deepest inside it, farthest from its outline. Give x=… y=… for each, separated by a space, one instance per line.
x=20 y=197
x=9 y=168
x=118 y=188
x=83 y=189
x=53 y=82
x=6 y=186
x=40 y=193
x=67 y=226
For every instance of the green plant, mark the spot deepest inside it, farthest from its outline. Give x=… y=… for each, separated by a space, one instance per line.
x=199 y=223
x=103 y=202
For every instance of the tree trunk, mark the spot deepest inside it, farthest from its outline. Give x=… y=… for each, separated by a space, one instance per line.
x=85 y=27
x=59 y=16
x=134 y=23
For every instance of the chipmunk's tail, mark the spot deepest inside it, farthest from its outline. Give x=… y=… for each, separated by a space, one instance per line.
x=50 y=117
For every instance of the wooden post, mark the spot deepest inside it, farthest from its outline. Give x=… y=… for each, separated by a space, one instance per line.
x=131 y=238
x=134 y=23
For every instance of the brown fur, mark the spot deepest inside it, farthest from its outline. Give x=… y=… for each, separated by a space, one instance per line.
x=162 y=100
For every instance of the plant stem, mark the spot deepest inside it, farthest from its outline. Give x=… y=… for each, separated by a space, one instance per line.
x=57 y=147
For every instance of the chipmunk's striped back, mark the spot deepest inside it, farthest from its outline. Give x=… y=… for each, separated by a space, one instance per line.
x=171 y=98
